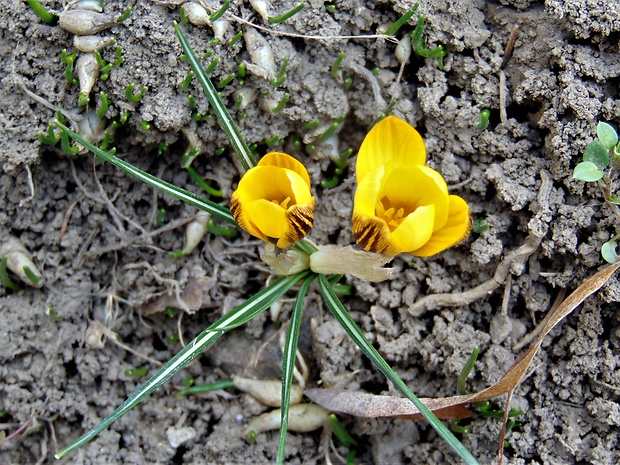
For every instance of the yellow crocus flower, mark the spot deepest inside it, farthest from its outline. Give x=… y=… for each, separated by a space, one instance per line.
x=400 y=204
x=273 y=200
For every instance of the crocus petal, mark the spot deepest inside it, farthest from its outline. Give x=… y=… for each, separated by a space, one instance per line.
x=373 y=234
x=299 y=220
x=390 y=143
x=415 y=230
x=282 y=160
x=368 y=192
x=240 y=214
x=456 y=229
x=416 y=186
x=267 y=217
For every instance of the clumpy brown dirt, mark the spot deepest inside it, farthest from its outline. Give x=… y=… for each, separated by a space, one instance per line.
x=92 y=232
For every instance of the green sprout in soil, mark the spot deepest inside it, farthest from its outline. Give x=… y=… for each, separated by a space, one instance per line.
x=5 y=278
x=479 y=225
x=68 y=60
x=42 y=13
x=281 y=104
x=401 y=21
x=235 y=39
x=601 y=161
x=219 y=13
x=482 y=122
x=287 y=15
x=336 y=65
x=134 y=98
x=417 y=43
x=256 y=304
x=281 y=77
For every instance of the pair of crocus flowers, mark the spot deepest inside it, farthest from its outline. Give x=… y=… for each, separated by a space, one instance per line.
x=400 y=204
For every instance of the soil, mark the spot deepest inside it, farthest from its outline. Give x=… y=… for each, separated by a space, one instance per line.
x=92 y=231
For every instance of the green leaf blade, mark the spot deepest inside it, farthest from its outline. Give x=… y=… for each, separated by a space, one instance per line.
x=587 y=171
x=364 y=344
x=607 y=135
x=608 y=251
x=256 y=304
x=288 y=363
x=223 y=116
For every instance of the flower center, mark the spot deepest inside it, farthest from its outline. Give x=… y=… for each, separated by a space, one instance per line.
x=283 y=203
x=392 y=215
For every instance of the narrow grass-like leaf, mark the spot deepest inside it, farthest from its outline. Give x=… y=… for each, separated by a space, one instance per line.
x=364 y=344
x=223 y=116
x=257 y=303
x=288 y=363
x=153 y=181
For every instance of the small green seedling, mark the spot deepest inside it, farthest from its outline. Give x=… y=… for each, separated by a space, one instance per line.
x=4 y=276
x=203 y=185
x=479 y=225
x=386 y=112
x=160 y=218
x=124 y=15
x=184 y=85
x=51 y=137
x=42 y=13
x=216 y=386
x=219 y=13
x=601 y=160
x=221 y=230
x=281 y=104
x=420 y=50
x=281 y=77
x=336 y=65
x=402 y=20
x=235 y=39
x=140 y=371
x=134 y=98
x=103 y=108
x=53 y=315
x=287 y=15
x=482 y=122
x=68 y=60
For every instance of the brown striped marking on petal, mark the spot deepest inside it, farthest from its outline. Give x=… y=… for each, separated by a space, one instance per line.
x=373 y=234
x=299 y=220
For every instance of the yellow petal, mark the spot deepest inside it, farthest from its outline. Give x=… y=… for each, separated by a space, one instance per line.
x=391 y=143
x=266 y=217
x=456 y=229
x=373 y=234
x=239 y=213
x=274 y=184
x=283 y=160
x=416 y=186
x=368 y=192
x=299 y=219
x=415 y=230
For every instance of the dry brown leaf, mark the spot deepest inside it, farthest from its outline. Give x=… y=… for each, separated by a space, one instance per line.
x=362 y=404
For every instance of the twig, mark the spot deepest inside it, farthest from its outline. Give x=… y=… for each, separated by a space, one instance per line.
x=538 y=228
x=31 y=185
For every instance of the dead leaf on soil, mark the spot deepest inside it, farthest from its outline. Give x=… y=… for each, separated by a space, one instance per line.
x=367 y=405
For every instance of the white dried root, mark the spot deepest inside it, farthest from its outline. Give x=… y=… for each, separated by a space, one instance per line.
x=302 y=418
x=267 y=392
x=18 y=258
x=90 y=127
